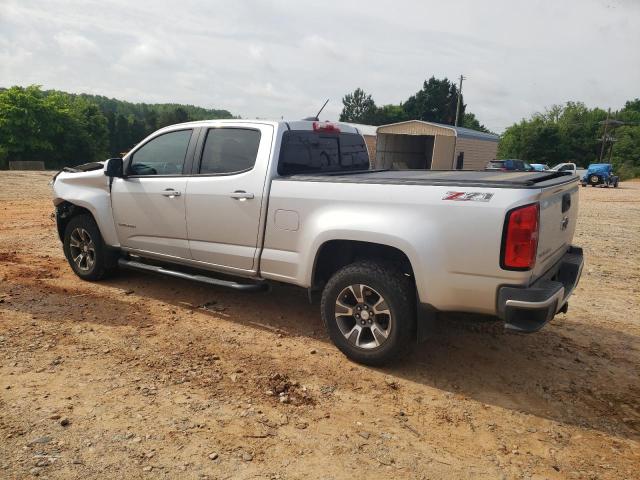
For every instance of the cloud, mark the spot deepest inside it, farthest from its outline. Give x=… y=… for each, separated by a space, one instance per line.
x=256 y=51
x=318 y=44
x=73 y=43
x=281 y=58
x=149 y=51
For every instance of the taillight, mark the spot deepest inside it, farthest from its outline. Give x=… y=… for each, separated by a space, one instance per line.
x=520 y=241
x=325 y=127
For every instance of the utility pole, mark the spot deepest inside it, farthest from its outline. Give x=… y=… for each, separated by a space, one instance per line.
x=604 y=135
x=462 y=77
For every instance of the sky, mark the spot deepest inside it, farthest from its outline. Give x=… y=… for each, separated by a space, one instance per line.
x=273 y=59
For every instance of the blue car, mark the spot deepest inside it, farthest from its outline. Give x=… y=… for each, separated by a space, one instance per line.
x=600 y=174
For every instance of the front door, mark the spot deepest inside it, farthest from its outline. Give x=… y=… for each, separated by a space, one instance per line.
x=225 y=196
x=149 y=203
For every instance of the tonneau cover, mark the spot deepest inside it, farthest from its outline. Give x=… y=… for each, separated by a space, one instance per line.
x=471 y=178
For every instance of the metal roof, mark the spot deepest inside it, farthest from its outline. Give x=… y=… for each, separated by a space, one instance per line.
x=461 y=132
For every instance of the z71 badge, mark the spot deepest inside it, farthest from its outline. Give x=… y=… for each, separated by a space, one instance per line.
x=468 y=196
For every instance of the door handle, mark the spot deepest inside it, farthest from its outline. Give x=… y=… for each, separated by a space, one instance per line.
x=171 y=193
x=241 y=195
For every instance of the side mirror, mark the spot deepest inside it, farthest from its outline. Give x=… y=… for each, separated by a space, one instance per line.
x=113 y=168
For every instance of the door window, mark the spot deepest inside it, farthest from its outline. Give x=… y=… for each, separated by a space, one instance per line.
x=229 y=150
x=163 y=155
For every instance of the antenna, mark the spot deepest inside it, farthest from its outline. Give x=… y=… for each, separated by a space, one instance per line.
x=320 y=111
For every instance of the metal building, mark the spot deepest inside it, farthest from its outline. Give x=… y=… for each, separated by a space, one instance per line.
x=416 y=144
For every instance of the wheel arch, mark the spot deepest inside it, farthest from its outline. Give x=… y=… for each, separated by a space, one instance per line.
x=334 y=254
x=65 y=211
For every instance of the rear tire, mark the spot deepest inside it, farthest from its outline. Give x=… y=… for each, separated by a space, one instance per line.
x=368 y=309
x=86 y=251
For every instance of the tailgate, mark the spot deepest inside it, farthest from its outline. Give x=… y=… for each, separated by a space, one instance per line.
x=558 y=216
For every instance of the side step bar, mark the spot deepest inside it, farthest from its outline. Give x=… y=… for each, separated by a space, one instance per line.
x=245 y=287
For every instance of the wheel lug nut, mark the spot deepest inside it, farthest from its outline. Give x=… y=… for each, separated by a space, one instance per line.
x=362 y=322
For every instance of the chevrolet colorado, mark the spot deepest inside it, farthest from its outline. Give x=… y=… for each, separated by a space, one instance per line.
x=242 y=203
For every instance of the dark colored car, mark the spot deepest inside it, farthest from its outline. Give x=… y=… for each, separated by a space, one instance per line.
x=509 y=165
x=600 y=174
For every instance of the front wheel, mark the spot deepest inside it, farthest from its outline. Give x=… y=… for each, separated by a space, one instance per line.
x=85 y=249
x=368 y=309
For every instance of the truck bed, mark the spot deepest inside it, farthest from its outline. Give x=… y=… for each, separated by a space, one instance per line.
x=462 y=178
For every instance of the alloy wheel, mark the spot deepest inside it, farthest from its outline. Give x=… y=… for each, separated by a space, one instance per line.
x=82 y=249
x=363 y=316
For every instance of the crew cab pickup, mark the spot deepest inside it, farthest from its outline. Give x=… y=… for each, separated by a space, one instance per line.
x=243 y=203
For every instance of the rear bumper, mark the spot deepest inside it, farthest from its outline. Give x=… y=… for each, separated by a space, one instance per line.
x=528 y=309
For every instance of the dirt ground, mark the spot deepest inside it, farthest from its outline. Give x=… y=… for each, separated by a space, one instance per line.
x=148 y=377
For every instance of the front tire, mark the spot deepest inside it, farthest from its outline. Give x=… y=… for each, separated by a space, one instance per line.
x=368 y=309
x=85 y=249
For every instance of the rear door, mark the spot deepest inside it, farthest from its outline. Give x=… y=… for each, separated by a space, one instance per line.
x=149 y=203
x=225 y=196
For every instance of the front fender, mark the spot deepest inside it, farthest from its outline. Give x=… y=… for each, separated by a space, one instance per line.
x=89 y=190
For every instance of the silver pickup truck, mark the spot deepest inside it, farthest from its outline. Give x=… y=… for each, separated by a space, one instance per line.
x=243 y=203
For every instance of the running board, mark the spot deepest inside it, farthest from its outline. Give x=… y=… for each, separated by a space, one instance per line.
x=245 y=287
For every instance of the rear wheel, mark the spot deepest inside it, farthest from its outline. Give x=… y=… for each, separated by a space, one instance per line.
x=85 y=249
x=369 y=311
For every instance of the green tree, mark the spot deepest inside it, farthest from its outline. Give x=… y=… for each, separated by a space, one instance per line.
x=389 y=114
x=67 y=129
x=436 y=102
x=573 y=133
x=55 y=128
x=536 y=141
x=469 y=120
x=626 y=149
x=27 y=122
x=358 y=107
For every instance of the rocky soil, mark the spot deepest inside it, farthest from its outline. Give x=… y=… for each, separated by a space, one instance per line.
x=148 y=377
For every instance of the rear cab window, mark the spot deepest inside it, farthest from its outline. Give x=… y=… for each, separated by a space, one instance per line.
x=309 y=152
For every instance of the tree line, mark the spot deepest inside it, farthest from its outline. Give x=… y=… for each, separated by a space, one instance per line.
x=563 y=133
x=62 y=129
x=437 y=102
x=68 y=129
x=575 y=133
